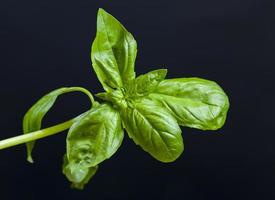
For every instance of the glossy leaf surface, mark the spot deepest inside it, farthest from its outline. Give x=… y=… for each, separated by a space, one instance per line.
x=154 y=129
x=113 y=52
x=94 y=137
x=195 y=102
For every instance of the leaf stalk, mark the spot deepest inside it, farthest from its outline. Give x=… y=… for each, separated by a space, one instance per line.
x=21 y=139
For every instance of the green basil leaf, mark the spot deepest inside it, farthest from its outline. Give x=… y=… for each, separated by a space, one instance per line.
x=78 y=175
x=95 y=137
x=154 y=129
x=113 y=52
x=195 y=102
x=34 y=116
x=145 y=83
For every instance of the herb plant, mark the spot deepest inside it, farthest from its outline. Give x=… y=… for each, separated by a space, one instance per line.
x=149 y=107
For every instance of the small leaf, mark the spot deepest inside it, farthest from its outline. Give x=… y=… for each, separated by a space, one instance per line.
x=154 y=129
x=195 y=102
x=94 y=137
x=145 y=83
x=115 y=97
x=77 y=174
x=34 y=116
x=113 y=52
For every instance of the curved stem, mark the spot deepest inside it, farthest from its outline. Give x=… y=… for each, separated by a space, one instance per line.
x=28 y=137
x=81 y=89
x=36 y=134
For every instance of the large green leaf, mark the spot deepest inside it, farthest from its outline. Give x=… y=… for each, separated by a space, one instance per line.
x=94 y=137
x=195 y=102
x=34 y=116
x=154 y=129
x=113 y=52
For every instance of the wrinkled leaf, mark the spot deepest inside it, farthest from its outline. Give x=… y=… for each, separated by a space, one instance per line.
x=94 y=137
x=77 y=174
x=145 y=83
x=154 y=129
x=113 y=52
x=195 y=102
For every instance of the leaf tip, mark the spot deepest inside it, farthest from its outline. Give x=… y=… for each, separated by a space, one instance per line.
x=164 y=72
x=29 y=159
x=101 y=11
x=77 y=186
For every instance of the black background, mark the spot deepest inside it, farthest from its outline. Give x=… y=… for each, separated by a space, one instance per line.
x=46 y=45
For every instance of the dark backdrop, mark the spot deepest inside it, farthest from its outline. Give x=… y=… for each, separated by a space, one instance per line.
x=46 y=44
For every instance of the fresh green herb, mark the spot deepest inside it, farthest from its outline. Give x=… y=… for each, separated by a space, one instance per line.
x=150 y=108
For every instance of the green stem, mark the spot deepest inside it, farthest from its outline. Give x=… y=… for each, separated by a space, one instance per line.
x=28 y=137
x=36 y=134
x=81 y=89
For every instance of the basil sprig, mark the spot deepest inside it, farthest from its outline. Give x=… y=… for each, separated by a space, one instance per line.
x=149 y=107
